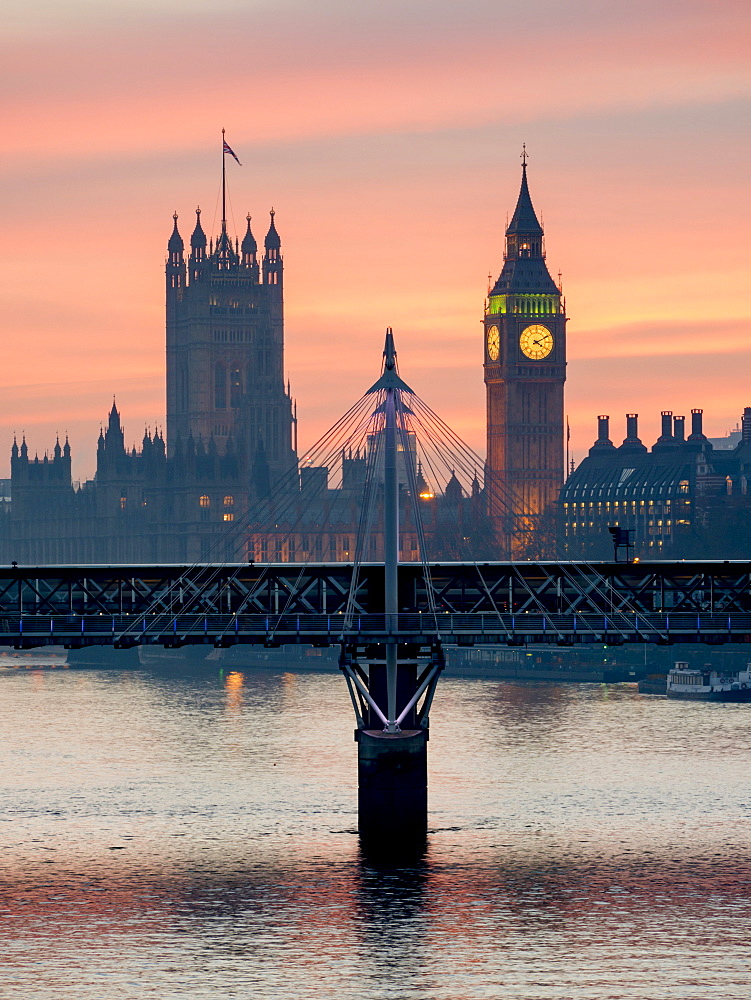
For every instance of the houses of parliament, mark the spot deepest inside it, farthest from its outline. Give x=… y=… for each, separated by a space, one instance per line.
x=231 y=436
x=230 y=426
x=230 y=443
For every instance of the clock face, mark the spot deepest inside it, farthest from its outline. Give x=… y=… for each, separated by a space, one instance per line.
x=494 y=343
x=536 y=342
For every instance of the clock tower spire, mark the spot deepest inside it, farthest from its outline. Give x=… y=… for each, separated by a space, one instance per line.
x=524 y=370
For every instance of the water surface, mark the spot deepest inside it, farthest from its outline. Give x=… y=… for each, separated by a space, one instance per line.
x=195 y=837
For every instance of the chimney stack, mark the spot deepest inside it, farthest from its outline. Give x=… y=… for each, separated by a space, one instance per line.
x=666 y=442
x=679 y=429
x=631 y=444
x=667 y=425
x=603 y=442
x=696 y=423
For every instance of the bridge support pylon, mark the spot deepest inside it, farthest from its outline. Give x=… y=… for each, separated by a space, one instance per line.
x=392 y=794
x=392 y=746
x=392 y=728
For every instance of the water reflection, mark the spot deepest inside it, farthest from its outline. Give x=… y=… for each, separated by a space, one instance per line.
x=195 y=836
x=233 y=685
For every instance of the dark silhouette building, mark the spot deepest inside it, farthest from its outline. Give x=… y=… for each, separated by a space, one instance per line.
x=683 y=499
x=225 y=351
x=229 y=450
x=230 y=446
x=229 y=427
x=525 y=369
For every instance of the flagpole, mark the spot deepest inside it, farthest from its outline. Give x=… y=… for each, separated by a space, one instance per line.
x=224 y=189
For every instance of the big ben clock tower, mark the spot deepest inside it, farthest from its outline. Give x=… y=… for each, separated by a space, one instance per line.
x=525 y=368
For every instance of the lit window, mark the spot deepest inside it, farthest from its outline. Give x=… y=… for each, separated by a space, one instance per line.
x=204 y=501
x=123 y=503
x=235 y=386
x=229 y=516
x=229 y=501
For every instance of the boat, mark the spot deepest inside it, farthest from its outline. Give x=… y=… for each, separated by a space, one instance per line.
x=707 y=684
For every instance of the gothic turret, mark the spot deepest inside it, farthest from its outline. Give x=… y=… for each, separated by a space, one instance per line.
x=272 y=261
x=175 y=246
x=197 y=249
x=198 y=239
x=249 y=249
x=175 y=258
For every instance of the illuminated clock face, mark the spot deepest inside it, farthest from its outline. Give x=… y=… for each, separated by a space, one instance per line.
x=494 y=343
x=536 y=342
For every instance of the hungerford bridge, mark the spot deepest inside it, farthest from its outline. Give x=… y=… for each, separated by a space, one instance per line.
x=390 y=619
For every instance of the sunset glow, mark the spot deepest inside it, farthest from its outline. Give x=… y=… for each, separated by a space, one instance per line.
x=388 y=140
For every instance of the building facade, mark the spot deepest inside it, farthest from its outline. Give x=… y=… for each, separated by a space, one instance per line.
x=230 y=427
x=223 y=484
x=225 y=350
x=524 y=371
x=684 y=498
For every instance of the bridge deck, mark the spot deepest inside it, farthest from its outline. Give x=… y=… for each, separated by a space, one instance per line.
x=525 y=602
x=462 y=629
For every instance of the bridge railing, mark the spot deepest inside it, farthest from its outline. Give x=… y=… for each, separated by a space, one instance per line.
x=486 y=627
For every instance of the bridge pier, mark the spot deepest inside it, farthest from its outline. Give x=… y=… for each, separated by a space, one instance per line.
x=392 y=797
x=392 y=748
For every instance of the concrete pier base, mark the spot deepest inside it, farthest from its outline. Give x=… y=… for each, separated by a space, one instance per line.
x=392 y=788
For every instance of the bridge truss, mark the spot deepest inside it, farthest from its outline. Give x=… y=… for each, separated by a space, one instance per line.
x=522 y=603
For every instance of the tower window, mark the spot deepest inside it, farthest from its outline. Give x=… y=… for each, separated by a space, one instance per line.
x=220 y=388
x=235 y=387
x=204 y=501
x=229 y=501
x=229 y=516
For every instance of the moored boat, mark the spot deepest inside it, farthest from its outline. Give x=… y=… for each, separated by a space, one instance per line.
x=692 y=684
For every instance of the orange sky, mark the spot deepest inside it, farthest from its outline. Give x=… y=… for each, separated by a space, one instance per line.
x=387 y=138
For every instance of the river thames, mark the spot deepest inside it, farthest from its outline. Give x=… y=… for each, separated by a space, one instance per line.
x=194 y=837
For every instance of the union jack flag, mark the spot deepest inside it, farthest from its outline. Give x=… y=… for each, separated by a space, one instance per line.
x=230 y=150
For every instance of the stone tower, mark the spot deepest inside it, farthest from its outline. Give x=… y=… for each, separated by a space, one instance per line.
x=524 y=369
x=225 y=350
